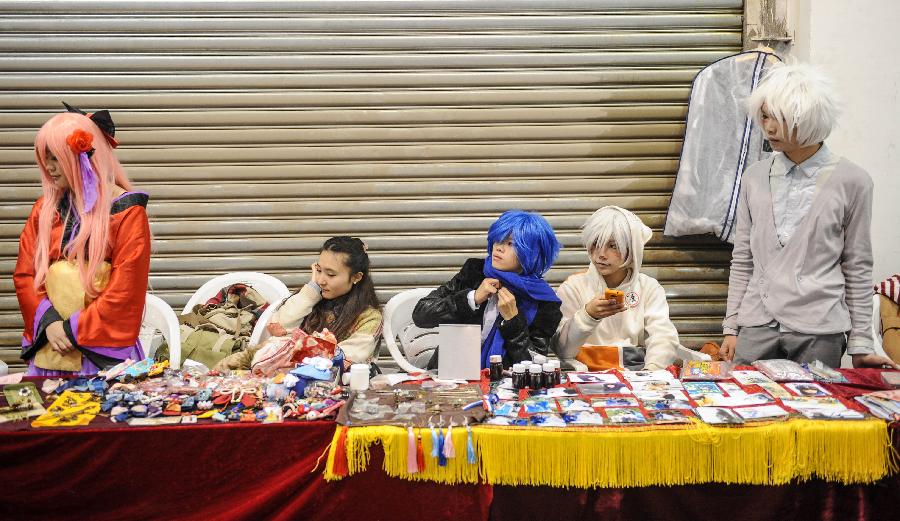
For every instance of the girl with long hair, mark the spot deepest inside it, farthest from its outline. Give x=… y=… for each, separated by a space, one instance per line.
x=84 y=254
x=340 y=296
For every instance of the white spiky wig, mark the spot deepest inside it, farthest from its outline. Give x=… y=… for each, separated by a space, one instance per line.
x=625 y=228
x=801 y=96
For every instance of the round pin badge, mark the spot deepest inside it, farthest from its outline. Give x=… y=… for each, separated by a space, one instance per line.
x=632 y=299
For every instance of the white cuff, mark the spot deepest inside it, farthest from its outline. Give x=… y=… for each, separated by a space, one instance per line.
x=471 y=298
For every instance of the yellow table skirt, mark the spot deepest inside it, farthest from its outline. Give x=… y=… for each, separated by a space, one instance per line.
x=770 y=453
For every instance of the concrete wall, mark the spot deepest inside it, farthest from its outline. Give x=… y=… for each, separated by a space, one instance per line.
x=857 y=44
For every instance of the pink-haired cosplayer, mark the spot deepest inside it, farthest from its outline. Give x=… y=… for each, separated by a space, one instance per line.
x=84 y=255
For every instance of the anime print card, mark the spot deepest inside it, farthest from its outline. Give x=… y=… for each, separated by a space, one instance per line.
x=629 y=415
x=614 y=401
x=718 y=415
x=593 y=378
x=807 y=389
x=539 y=405
x=547 y=420
x=775 y=390
x=507 y=409
x=750 y=377
x=668 y=416
x=761 y=412
x=603 y=388
x=663 y=404
x=656 y=385
x=702 y=388
x=583 y=418
x=646 y=376
x=573 y=404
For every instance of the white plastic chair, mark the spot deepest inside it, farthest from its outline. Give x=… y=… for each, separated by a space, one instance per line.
x=272 y=289
x=158 y=316
x=260 y=333
x=416 y=344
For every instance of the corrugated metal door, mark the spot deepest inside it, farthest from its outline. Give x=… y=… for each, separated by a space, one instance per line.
x=262 y=128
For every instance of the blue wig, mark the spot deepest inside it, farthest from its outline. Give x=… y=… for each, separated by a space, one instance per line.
x=533 y=237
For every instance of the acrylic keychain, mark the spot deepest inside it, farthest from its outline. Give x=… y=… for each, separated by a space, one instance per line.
x=442 y=457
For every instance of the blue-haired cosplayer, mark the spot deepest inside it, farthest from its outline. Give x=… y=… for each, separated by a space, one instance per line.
x=505 y=292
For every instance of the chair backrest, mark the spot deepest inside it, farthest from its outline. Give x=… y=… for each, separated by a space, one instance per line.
x=272 y=289
x=260 y=333
x=416 y=344
x=158 y=316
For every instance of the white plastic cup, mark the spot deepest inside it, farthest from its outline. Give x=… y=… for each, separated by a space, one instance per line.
x=359 y=377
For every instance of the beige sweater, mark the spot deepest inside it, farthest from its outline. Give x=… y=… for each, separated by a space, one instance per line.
x=646 y=324
x=359 y=347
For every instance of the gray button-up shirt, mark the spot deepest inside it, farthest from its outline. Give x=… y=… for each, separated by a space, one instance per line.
x=794 y=188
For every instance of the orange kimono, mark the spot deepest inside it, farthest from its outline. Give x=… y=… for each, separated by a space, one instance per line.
x=106 y=330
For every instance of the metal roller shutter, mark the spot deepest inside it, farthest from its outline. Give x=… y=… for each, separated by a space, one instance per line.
x=262 y=128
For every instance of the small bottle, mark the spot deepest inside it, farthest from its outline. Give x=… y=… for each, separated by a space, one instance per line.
x=549 y=375
x=518 y=377
x=539 y=359
x=359 y=377
x=557 y=372
x=535 y=377
x=496 y=368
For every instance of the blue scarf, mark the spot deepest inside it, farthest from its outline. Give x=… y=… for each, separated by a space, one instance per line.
x=528 y=290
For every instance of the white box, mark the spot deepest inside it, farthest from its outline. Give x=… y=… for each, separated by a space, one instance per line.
x=459 y=351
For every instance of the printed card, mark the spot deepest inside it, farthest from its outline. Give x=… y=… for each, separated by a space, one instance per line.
x=614 y=401
x=593 y=378
x=807 y=389
x=761 y=412
x=604 y=388
x=625 y=416
x=750 y=377
x=718 y=415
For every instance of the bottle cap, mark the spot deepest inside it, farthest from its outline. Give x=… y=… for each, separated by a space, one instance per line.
x=518 y=368
x=534 y=368
x=496 y=358
x=548 y=367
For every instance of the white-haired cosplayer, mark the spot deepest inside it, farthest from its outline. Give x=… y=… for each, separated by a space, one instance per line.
x=801 y=269
x=615 y=239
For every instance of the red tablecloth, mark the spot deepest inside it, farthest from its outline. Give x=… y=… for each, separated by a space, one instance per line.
x=241 y=471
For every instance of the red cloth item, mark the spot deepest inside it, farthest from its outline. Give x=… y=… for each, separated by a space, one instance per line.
x=890 y=288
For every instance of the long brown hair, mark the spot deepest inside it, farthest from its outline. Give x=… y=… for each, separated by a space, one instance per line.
x=346 y=308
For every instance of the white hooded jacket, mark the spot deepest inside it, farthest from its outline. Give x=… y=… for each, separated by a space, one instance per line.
x=644 y=323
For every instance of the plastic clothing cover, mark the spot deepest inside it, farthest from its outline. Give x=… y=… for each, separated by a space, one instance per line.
x=720 y=142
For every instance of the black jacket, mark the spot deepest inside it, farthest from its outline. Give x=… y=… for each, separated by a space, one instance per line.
x=448 y=304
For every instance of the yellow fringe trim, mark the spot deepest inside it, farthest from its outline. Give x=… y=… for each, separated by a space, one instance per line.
x=770 y=453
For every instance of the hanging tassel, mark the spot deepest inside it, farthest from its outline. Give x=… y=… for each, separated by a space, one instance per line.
x=434 y=442
x=340 y=466
x=89 y=181
x=470 y=447
x=449 y=449
x=411 y=466
x=420 y=454
x=442 y=459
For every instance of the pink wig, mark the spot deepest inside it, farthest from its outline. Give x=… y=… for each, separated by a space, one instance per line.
x=89 y=247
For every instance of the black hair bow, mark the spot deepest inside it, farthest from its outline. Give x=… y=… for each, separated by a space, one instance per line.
x=102 y=119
